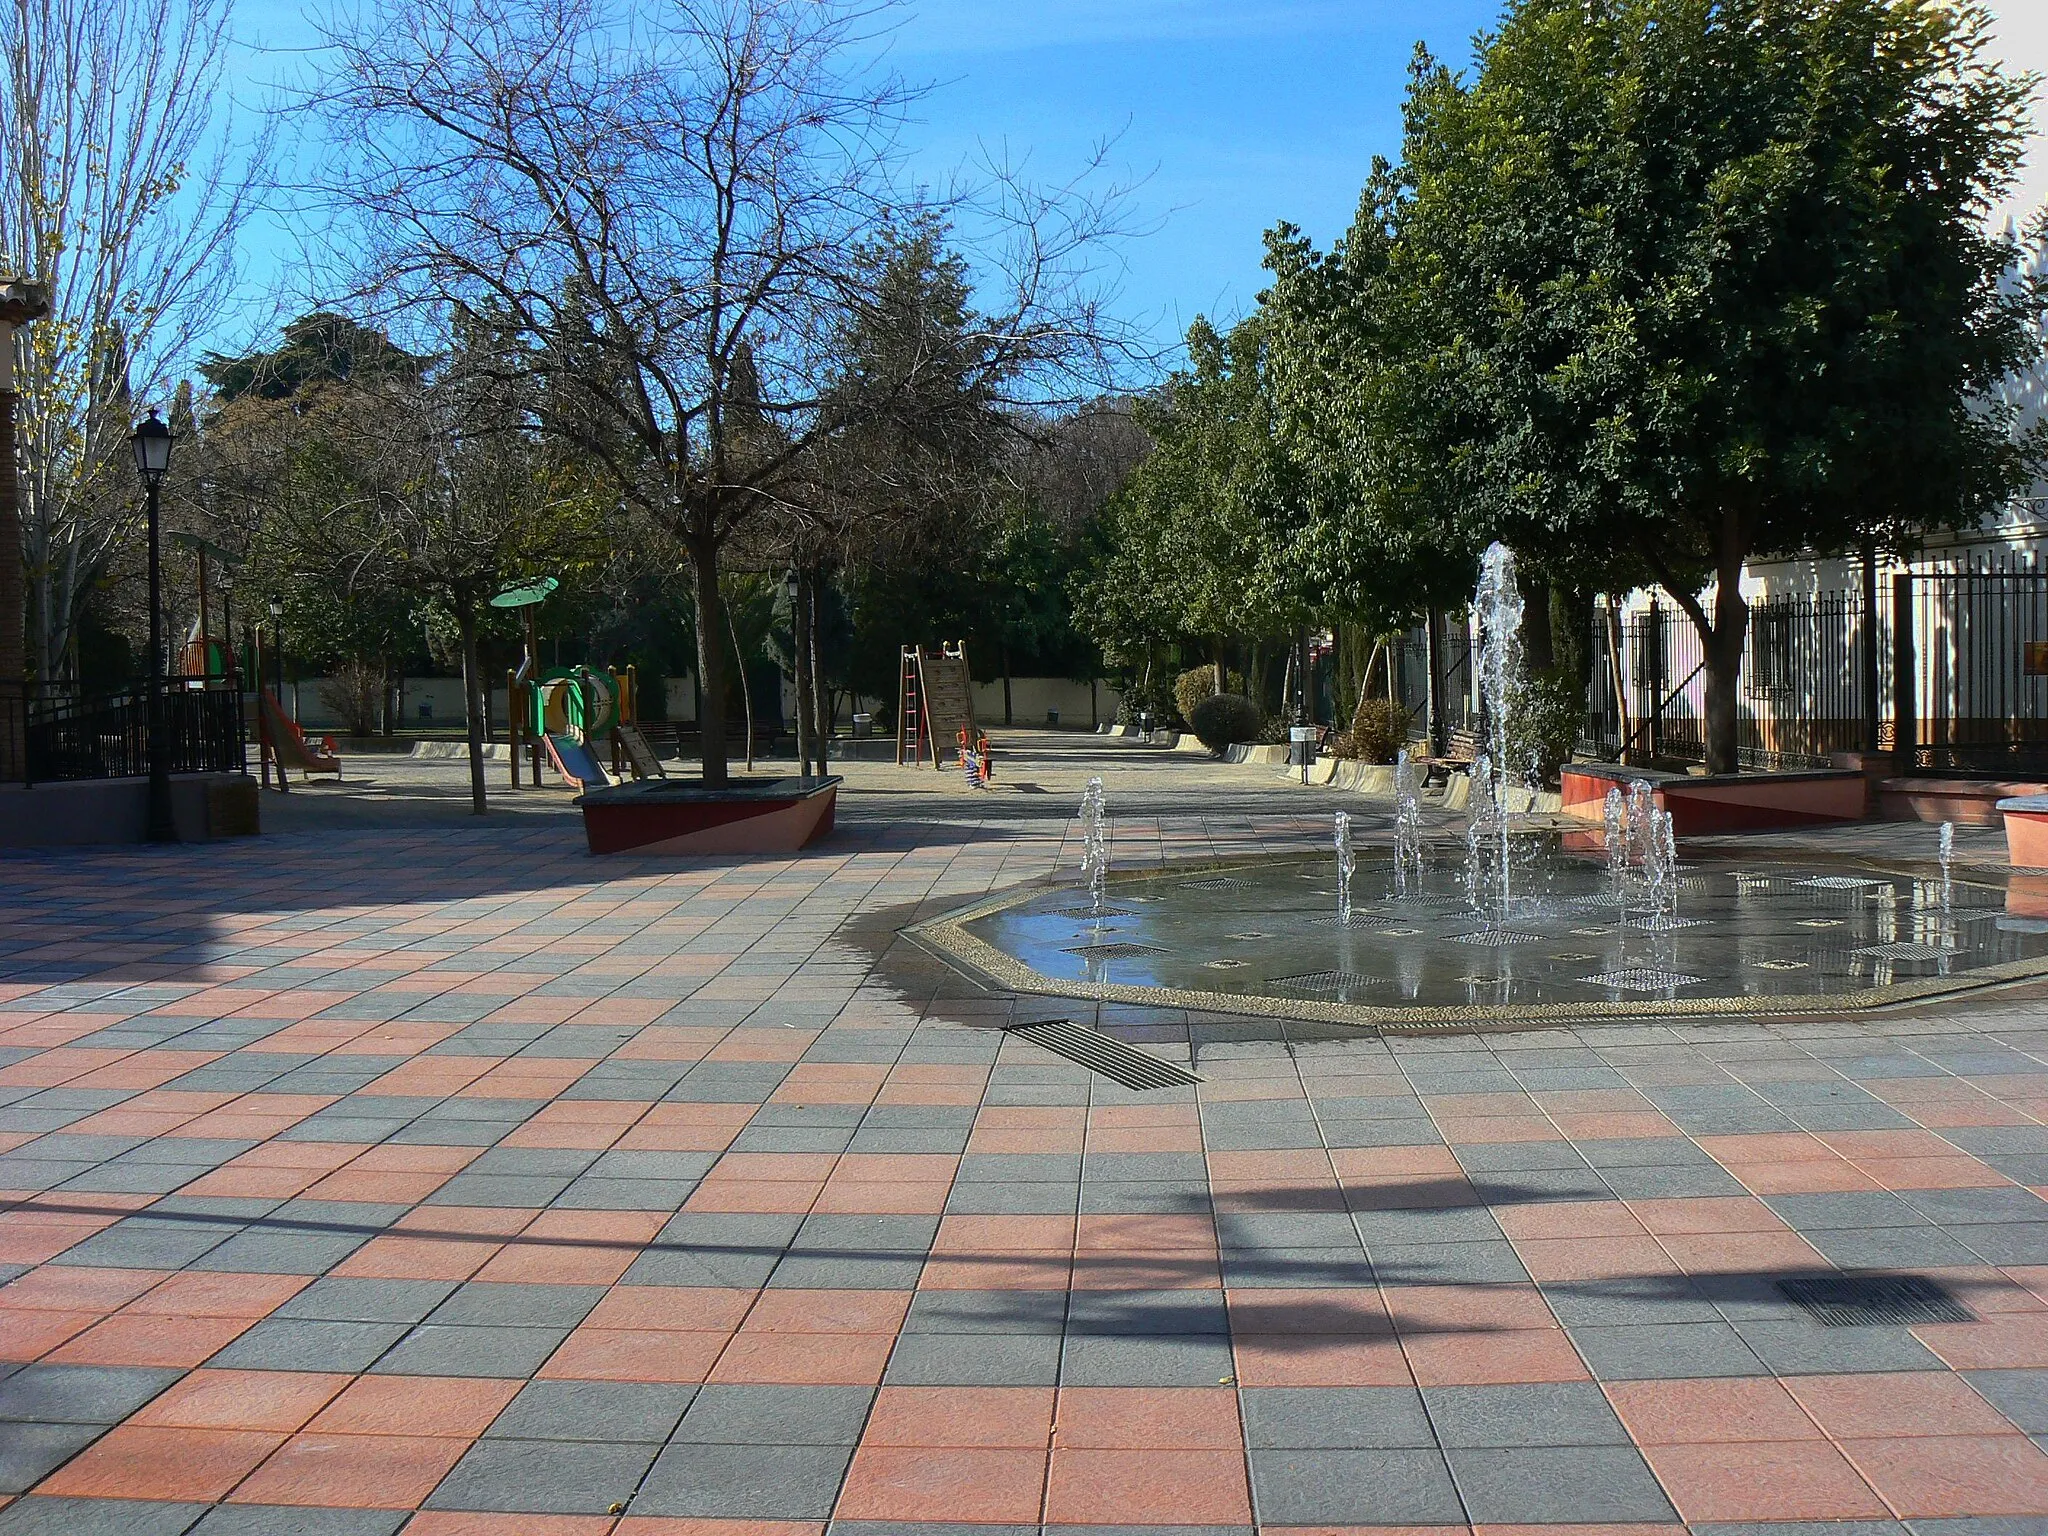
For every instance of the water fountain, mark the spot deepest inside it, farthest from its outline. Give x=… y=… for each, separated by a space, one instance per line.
x=1490 y=839
x=1770 y=933
x=1347 y=865
x=1614 y=817
x=1946 y=851
x=1094 y=845
x=1407 y=826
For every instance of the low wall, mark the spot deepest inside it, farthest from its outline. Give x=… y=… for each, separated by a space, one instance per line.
x=84 y=812
x=1966 y=802
x=1702 y=805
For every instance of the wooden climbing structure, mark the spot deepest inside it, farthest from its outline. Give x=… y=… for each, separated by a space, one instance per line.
x=935 y=702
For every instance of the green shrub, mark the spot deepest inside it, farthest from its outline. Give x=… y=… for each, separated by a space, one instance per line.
x=1224 y=720
x=1545 y=727
x=1199 y=683
x=1378 y=732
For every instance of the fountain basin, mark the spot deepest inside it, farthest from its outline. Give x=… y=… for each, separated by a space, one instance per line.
x=1260 y=938
x=2026 y=830
x=1702 y=805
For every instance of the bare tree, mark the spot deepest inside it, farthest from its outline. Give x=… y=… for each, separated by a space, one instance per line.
x=122 y=191
x=665 y=208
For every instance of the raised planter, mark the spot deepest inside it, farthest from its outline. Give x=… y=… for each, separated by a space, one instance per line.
x=1740 y=802
x=1966 y=802
x=2026 y=830
x=682 y=816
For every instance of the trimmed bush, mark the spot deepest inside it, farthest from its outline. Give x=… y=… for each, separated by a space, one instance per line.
x=1378 y=732
x=1224 y=720
x=1199 y=683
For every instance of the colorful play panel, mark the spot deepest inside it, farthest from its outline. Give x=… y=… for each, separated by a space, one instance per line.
x=680 y=816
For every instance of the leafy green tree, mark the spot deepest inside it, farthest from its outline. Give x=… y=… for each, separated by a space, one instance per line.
x=1695 y=280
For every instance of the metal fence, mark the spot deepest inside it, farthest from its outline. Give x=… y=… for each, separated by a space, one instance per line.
x=49 y=735
x=1975 y=659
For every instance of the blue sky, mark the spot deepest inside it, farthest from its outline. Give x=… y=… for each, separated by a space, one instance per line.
x=1235 y=113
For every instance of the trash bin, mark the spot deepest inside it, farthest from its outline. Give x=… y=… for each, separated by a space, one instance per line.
x=1301 y=748
x=863 y=726
x=1052 y=717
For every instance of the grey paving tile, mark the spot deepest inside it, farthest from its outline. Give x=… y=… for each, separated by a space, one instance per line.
x=1145 y=1360
x=1582 y=1484
x=974 y=1360
x=749 y=1482
x=1293 y=1268
x=986 y=1312
x=31 y=1452
x=461 y=1349
x=304 y=1344
x=1565 y=1413
x=505 y=1304
x=79 y=1394
x=286 y=1520
x=1189 y=1311
x=1658 y=1299
x=94 y=1517
x=344 y=1299
x=1336 y=1418
x=857 y=1271
x=1666 y=1351
x=1479 y=1263
x=593 y=1410
x=1353 y=1487
x=1799 y=1346
x=545 y=1476
x=993 y=1198
x=2021 y=1395
x=726 y=1414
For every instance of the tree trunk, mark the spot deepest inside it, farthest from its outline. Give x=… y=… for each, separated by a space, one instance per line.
x=13 y=597
x=1721 y=643
x=1008 y=714
x=746 y=685
x=821 y=691
x=800 y=666
x=473 y=720
x=711 y=629
x=1539 y=644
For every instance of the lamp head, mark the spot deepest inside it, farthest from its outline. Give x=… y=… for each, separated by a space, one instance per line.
x=152 y=444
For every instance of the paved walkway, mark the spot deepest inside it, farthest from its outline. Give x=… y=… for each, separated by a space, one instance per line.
x=440 y=1179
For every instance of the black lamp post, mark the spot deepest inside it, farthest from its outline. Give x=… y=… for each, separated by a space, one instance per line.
x=152 y=444
x=277 y=649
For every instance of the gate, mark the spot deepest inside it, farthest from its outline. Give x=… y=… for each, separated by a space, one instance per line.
x=1972 y=648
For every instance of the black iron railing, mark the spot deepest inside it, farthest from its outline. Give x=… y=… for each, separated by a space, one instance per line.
x=49 y=735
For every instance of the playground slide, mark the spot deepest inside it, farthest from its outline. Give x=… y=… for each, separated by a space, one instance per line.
x=576 y=762
x=289 y=741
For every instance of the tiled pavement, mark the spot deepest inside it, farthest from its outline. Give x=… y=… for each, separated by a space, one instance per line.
x=451 y=1183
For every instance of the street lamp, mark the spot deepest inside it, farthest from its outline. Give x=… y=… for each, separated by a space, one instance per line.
x=152 y=444
x=277 y=648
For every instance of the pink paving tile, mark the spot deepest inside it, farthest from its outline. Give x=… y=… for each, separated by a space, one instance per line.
x=1763 y=1480
x=1894 y=1403
x=1937 y=1477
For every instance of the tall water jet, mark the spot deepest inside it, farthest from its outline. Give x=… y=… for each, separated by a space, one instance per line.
x=1490 y=831
x=1094 y=845
x=1614 y=815
x=1347 y=862
x=1947 y=854
x=1407 y=827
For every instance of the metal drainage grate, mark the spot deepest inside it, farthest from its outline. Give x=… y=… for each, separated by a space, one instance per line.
x=1104 y=1054
x=1087 y=913
x=1839 y=883
x=1903 y=951
x=1779 y=965
x=1218 y=884
x=1493 y=938
x=1116 y=951
x=1636 y=979
x=1329 y=983
x=1869 y=1301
